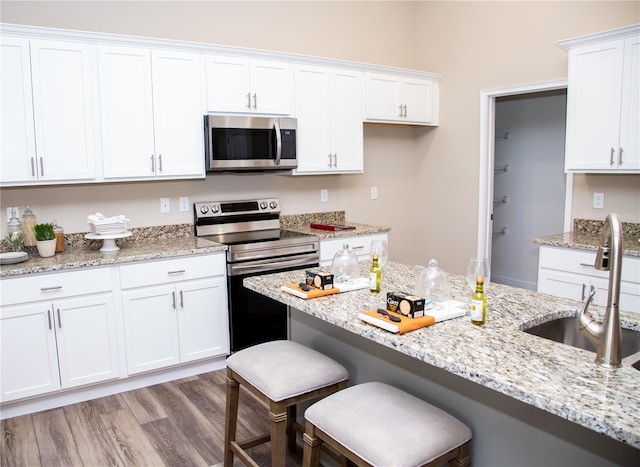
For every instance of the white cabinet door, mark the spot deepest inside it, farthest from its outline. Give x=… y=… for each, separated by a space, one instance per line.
x=18 y=144
x=178 y=111
x=151 y=328
x=329 y=114
x=87 y=340
x=48 y=113
x=203 y=329
x=28 y=351
x=603 y=103
x=394 y=99
x=241 y=85
x=151 y=113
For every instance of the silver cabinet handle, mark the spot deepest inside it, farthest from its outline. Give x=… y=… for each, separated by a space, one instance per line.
x=405 y=110
x=160 y=162
x=329 y=159
x=620 y=156
x=33 y=166
x=173 y=298
x=177 y=271
x=335 y=159
x=584 y=288
x=49 y=317
x=153 y=163
x=611 y=156
x=255 y=100
x=400 y=115
x=42 y=167
x=59 y=319
x=181 y=300
x=46 y=289
x=248 y=100
x=358 y=247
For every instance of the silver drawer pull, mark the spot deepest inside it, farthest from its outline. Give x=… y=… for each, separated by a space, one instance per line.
x=55 y=287
x=358 y=247
x=177 y=271
x=587 y=265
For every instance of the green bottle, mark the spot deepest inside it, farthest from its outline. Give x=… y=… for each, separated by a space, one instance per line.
x=479 y=303
x=374 y=275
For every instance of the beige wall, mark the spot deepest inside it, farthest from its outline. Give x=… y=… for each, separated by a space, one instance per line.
x=426 y=178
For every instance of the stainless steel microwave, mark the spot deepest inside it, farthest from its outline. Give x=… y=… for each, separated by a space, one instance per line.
x=237 y=143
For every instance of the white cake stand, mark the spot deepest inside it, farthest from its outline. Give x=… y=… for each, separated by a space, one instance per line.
x=109 y=243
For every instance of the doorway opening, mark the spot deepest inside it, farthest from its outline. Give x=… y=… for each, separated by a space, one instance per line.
x=488 y=227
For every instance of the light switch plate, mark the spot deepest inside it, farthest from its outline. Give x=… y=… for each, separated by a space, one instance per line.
x=324 y=195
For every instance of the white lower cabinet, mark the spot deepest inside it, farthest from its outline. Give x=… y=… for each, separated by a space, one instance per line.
x=57 y=331
x=175 y=311
x=360 y=244
x=570 y=274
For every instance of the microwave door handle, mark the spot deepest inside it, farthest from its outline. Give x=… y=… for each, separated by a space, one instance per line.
x=276 y=127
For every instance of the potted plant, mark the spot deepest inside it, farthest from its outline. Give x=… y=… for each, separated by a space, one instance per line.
x=45 y=239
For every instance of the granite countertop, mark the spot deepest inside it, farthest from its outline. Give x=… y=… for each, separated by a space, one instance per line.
x=301 y=223
x=587 y=241
x=554 y=377
x=143 y=249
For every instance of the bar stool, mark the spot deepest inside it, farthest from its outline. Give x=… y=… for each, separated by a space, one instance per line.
x=379 y=425
x=281 y=374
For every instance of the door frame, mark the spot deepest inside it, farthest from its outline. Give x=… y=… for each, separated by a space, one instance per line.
x=487 y=148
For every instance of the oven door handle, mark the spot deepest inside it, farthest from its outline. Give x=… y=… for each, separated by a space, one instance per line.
x=273 y=264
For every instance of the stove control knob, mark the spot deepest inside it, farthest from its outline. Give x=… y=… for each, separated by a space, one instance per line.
x=263 y=205
x=215 y=208
x=273 y=205
x=204 y=209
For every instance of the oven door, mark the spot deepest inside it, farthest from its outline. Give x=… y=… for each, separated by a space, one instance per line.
x=254 y=318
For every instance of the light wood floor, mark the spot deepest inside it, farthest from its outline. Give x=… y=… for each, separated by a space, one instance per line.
x=180 y=423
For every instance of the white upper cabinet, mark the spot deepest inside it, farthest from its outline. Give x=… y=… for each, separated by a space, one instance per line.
x=603 y=104
x=151 y=113
x=329 y=114
x=48 y=111
x=240 y=85
x=406 y=100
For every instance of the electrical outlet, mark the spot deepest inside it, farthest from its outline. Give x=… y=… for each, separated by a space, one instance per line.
x=184 y=203
x=598 y=200
x=374 y=192
x=324 y=195
x=164 y=205
x=10 y=212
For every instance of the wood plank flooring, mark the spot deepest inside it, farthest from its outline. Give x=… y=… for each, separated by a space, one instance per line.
x=180 y=423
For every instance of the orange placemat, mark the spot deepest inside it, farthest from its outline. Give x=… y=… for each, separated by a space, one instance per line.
x=405 y=324
x=295 y=289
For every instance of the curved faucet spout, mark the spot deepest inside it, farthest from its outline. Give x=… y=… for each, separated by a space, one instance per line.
x=606 y=336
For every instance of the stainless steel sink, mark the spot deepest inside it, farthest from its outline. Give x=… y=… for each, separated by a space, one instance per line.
x=565 y=331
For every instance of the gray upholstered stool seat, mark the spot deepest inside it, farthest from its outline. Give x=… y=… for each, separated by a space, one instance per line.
x=377 y=424
x=281 y=374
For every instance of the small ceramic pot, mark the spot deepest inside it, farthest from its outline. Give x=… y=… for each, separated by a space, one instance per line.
x=46 y=248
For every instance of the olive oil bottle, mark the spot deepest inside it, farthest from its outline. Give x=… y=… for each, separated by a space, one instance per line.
x=374 y=275
x=479 y=303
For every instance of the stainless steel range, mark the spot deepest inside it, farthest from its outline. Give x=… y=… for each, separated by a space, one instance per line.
x=257 y=245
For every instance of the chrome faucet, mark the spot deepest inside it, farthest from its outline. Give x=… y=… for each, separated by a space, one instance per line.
x=606 y=335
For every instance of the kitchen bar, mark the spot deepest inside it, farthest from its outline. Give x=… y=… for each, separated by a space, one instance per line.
x=528 y=400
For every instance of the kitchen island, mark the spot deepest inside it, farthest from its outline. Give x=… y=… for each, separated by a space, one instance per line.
x=528 y=400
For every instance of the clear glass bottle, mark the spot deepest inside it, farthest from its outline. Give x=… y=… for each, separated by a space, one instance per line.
x=28 y=222
x=14 y=234
x=374 y=274
x=479 y=303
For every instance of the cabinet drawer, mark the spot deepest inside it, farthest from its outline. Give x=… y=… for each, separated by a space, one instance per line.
x=171 y=270
x=581 y=262
x=360 y=244
x=55 y=285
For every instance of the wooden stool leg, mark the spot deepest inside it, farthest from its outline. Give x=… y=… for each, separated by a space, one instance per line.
x=291 y=432
x=231 y=418
x=463 y=459
x=278 y=417
x=312 y=444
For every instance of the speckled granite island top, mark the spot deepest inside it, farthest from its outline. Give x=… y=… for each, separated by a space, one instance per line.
x=587 y=241
x=141 y=250
x=554 y=377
